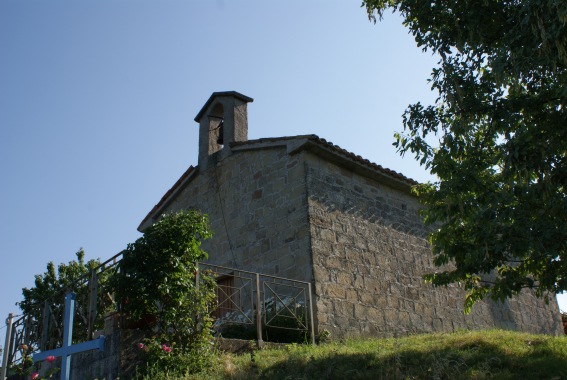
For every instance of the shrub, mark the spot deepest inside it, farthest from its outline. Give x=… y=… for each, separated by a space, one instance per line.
x=159 y=281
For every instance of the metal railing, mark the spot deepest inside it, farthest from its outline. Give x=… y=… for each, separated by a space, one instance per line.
x=264 y=301
x=44 y=331
x=267 y=303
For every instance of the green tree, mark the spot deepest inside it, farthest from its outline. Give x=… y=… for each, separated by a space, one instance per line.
x=51 y=287
x=496 y=140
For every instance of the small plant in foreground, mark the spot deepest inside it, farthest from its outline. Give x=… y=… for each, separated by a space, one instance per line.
x=171 y=360
x=26 y=368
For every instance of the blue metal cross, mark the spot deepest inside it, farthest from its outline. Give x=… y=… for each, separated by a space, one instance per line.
x=69 y=348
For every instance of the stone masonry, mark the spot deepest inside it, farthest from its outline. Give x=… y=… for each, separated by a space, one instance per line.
x=302 y=208
x=369 y=254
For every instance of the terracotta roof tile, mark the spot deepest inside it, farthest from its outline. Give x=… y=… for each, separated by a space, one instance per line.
x=334 y=148
x=363 y=161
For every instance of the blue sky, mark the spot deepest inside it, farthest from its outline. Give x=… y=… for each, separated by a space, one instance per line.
x=97 y=100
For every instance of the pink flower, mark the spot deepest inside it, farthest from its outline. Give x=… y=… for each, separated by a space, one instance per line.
x=50 y=359
x=35 y=375
x=141 y=346
x=166 y=348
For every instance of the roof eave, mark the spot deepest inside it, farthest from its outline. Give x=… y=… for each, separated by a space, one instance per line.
x=402 y=183
x=168 y=197
x=235 y=94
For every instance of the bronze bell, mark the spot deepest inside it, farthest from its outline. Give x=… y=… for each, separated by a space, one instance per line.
x=221 y=128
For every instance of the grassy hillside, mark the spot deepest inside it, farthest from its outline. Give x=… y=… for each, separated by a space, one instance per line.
x=493 y=354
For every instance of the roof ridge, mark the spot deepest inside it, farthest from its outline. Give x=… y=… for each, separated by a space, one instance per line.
x=334 y=147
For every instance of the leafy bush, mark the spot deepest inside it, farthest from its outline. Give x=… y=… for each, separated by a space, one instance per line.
x=159 y=281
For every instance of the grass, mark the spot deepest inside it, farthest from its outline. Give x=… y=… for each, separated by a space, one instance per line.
x=493 y=354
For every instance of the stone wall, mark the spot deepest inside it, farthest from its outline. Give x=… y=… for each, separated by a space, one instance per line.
x=361 y=242
x=95 y=364
x=369 y=254
x=257 y=204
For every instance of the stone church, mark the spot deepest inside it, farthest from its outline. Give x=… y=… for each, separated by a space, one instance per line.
x=301 y=207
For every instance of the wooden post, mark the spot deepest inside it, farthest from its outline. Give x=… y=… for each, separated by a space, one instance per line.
x=258 y=313
x=12 y=345
x=27 y=329
x=44 y=327
x=7 y=346
x=311 y=318
x=197 y=280
x=197 y=275
x=93 y=294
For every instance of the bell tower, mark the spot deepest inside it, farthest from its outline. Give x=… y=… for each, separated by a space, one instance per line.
x=222 y=120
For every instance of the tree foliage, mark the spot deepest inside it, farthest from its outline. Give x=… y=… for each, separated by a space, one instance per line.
x=52 y=285
x=496 y=139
